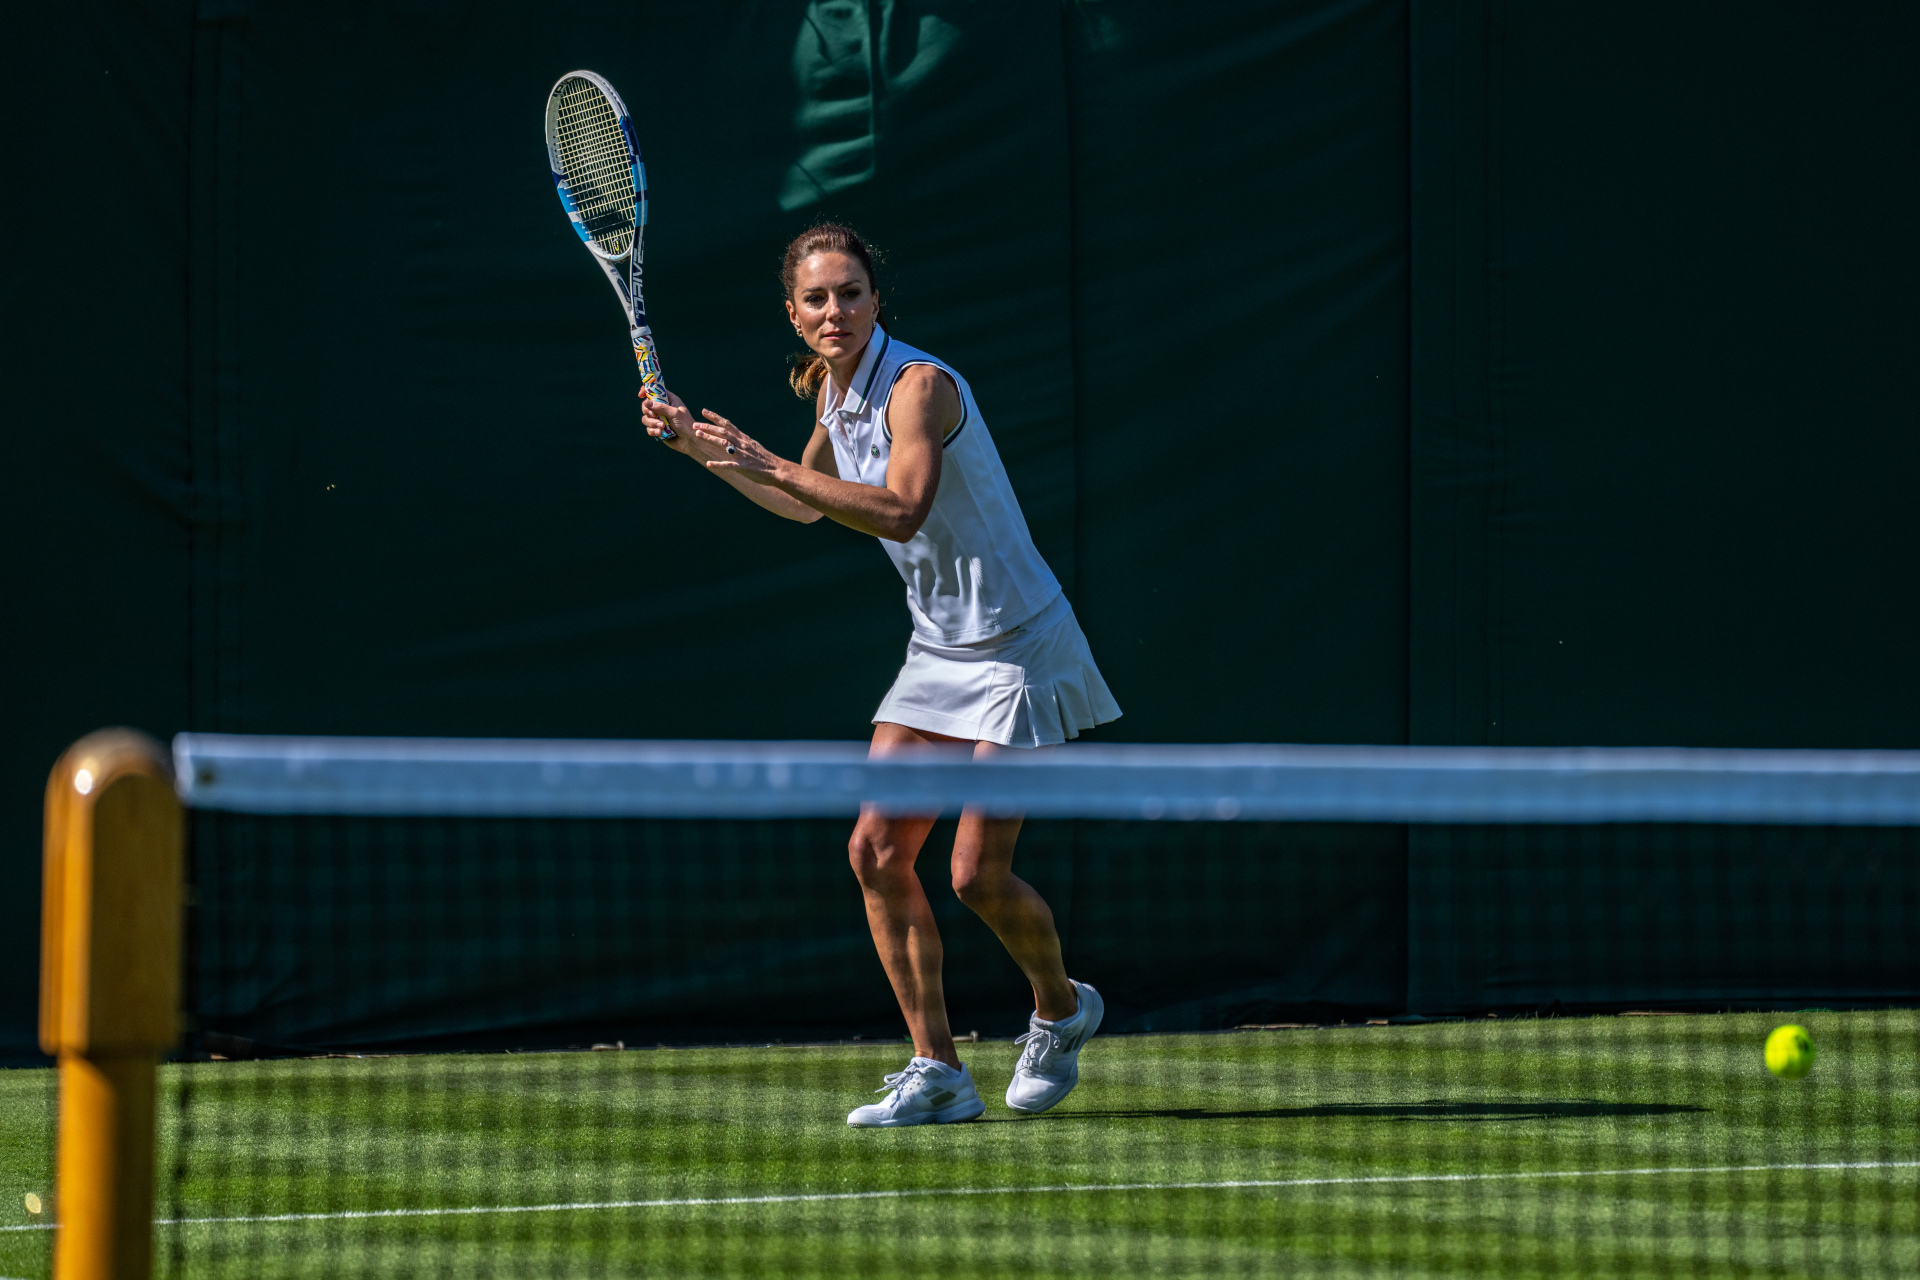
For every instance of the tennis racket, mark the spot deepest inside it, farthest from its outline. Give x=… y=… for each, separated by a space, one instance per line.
x=596 y=166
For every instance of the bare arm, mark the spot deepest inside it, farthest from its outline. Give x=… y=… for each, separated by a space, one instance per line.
x=819 y=455
x=923 y=407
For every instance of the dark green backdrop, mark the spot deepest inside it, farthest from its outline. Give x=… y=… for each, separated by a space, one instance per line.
x=1461 y=372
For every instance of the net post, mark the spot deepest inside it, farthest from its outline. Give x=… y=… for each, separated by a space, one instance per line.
x=109 y=990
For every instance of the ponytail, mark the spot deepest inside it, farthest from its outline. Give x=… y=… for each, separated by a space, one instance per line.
x=809 y=371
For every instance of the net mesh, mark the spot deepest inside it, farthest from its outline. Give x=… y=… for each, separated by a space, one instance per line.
x=594 y=160
x=436 y=1040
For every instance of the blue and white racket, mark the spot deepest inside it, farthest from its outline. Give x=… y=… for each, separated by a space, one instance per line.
x=596 y=166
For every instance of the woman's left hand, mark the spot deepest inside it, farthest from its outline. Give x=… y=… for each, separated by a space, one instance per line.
x=744 y=454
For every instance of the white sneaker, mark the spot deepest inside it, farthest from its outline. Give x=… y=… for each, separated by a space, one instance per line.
x=1049 y=1066
x=927 y=1092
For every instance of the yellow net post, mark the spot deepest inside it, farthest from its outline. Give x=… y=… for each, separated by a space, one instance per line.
x=109 y=990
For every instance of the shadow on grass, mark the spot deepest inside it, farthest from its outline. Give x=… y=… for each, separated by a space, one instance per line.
x=1432 y=1109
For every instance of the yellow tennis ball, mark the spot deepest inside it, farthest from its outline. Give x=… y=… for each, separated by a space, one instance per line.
x=33 y=1203
x=1789 y=1052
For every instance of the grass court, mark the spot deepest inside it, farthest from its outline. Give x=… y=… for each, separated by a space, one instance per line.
x=1616 y=1146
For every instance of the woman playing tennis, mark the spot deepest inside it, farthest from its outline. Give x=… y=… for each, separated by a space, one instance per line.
x=996 y=658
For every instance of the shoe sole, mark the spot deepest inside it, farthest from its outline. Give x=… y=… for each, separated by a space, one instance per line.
x=1099 y=1016
x=958 y=1113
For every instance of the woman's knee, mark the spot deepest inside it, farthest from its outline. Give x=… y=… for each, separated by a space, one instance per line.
x=879 y=863
x=978 y=886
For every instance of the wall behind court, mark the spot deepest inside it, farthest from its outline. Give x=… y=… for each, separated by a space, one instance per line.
x=1461 y=373
x=1664 y=446
x=95 y=447
x=403 y=486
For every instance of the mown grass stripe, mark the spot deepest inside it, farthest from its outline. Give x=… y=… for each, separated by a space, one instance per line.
x=1067 y=1188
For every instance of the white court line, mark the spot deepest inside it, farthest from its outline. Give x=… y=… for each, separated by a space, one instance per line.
x=1067 y=1188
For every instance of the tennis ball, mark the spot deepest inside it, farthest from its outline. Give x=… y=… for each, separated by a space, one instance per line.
x=1789 y=1052
x=33 y=1203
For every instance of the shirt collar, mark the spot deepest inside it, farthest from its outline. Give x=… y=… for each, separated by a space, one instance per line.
x=854 y=399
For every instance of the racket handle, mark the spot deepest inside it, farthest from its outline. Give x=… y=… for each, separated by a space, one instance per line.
x=651 y=383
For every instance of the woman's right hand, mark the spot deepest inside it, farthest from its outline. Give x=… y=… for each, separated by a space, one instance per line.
x=656 y=416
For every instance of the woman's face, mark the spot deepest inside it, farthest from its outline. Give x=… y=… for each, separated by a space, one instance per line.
x=833 y=305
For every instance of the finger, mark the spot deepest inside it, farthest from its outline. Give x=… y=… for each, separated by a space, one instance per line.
x=730 y=437
x=713 y=417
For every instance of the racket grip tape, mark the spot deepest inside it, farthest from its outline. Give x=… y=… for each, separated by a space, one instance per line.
x=652 y=384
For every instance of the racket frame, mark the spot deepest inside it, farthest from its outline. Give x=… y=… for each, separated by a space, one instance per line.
x=622 y=269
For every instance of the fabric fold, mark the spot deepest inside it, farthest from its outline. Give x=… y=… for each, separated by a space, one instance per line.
x=1033 y=686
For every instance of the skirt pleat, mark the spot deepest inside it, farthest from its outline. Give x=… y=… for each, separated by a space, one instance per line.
x=1032 y=686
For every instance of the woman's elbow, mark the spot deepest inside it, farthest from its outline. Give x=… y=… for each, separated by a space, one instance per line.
x=903 y=530
x=900 y=526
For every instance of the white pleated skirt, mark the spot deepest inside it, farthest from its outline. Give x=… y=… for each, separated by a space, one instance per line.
x=1033 y=686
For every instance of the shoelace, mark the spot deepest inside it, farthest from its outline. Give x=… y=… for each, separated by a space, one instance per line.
x=1041 y=1044
x=907 y=1081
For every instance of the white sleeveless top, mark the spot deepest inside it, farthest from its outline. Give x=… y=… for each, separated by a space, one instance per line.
x=972 y=570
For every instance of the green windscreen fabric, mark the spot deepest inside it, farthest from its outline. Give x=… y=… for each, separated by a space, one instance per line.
x=1663 y=440
x=1546 y=920
x=93 y=453
x=453 y=522
x=1368 y=372
x=1240 y=259
x=1240 y=380
x=410 y=494
x=462 y=530
x=1663 y=428
x=355 y=932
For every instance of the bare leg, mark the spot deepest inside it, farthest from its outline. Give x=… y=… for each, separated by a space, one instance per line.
x=882 y=852
x=983 y=879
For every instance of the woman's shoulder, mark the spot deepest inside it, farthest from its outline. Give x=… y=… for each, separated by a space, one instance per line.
x=922 y=375
x=900 y=354
x=928 y=393
x=907 y=365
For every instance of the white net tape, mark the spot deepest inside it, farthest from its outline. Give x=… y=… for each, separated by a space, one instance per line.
x=765 y=779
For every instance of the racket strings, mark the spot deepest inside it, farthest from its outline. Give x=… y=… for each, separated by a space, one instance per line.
x=594 y=159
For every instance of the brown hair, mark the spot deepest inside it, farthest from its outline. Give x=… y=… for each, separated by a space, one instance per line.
x=809 y=367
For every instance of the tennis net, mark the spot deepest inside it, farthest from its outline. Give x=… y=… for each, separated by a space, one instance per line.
x=546 y=1008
